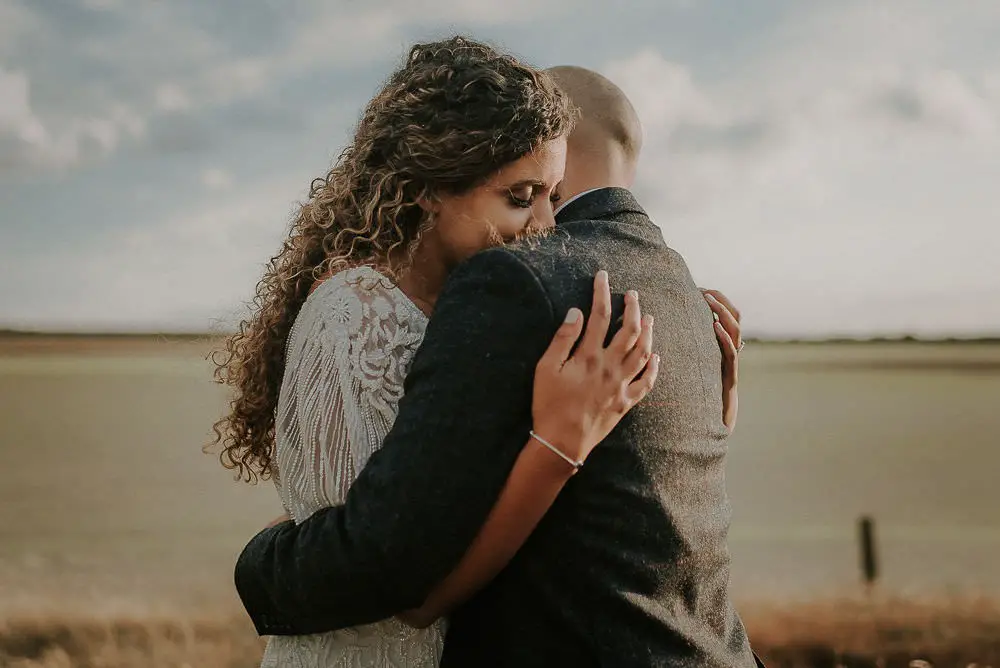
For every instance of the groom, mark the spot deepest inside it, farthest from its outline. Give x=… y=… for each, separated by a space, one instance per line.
x=630 y=566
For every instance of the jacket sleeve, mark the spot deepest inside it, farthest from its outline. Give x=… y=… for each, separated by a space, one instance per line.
x=421 y=499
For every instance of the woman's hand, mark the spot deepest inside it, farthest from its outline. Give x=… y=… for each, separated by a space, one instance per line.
x=579 y=396
x=727 y=329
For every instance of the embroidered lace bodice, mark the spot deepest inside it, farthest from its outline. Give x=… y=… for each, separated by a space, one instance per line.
x=347 y=356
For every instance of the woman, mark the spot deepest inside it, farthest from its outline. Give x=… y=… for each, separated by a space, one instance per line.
x=461 y=149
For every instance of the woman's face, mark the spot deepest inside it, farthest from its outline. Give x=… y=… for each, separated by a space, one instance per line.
x=517 y=198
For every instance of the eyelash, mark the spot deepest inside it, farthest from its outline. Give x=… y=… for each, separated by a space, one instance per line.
x=526 y=203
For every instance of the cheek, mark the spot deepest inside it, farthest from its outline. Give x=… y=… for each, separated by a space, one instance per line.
x=471 y=225
x=509 y=221
x=461 y=231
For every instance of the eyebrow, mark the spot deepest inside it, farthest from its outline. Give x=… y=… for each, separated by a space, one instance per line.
x=534 y=183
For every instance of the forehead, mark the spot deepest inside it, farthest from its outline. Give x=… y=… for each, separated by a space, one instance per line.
x=546 y=163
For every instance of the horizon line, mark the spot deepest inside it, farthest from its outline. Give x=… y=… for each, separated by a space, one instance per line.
x=776 y=338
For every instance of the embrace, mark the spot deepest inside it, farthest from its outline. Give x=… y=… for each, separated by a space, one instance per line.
x=489 y=452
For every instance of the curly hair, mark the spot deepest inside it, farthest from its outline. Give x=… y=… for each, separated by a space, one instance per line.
x=455 y=112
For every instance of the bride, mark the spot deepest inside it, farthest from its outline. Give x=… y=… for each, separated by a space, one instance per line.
x=461 y=149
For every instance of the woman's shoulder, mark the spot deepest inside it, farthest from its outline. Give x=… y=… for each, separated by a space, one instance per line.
x=350 y=300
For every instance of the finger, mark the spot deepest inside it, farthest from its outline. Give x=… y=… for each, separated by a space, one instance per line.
x=565 y=337
x=600 y=316
x=724 y=300
x=730 y=410
x=725 y=317
x=638 y=389
x=729 y=354
x=631 y=328
x=638 y=357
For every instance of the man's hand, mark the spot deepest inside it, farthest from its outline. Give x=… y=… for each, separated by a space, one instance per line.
x=727 y=329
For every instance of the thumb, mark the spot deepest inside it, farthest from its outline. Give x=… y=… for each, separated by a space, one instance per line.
x=565 y=338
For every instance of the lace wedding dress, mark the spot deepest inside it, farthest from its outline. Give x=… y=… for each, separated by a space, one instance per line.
x=347 y=355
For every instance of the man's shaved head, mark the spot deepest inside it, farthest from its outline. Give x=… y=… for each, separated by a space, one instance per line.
x=604 y=146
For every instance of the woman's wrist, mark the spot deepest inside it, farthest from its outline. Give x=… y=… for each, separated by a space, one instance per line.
x=572 y=458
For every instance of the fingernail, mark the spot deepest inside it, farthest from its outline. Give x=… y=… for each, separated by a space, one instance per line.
x=649 y=321
x=656 y=358
x=633 y=295
x=602 y=275
x=573 y=315
x=710 y=297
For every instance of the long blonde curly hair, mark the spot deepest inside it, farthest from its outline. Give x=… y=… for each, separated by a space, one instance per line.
x=455 y=112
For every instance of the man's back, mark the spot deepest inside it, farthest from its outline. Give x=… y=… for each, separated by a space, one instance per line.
x=630 y=566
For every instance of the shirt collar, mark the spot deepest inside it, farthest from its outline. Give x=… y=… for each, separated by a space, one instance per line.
x=574 y=198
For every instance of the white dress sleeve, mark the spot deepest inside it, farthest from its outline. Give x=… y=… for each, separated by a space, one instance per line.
x=347 y=356
x=346 y=360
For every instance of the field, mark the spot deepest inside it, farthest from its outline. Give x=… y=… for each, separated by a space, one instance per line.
x=117 y=534
x=853 y=633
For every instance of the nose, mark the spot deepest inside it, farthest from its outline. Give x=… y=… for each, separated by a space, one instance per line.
x=544 y=214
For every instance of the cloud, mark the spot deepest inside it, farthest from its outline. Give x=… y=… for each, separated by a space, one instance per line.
x=17 y=24
x=830 y=165
x=860 y=197
x=101 y=5
x=170 y=97
x=157 y=78
x=134 y=67
x=940 y=99
x=217 y=179
x=335 y=36
x=25 y=139
x=187 y=270
x=16 y=115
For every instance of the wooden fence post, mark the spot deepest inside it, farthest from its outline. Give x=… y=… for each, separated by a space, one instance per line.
x=869 y=558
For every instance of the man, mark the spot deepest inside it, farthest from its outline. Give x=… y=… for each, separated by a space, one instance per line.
x=630 y=566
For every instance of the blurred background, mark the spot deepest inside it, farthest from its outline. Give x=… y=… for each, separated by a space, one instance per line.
x=828 y=165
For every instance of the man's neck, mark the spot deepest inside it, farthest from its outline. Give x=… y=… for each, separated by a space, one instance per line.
x=564 y=204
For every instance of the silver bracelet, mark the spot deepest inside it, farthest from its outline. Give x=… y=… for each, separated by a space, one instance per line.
x=576 y=464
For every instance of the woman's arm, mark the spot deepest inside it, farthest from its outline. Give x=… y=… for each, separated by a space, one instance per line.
x=534 y=483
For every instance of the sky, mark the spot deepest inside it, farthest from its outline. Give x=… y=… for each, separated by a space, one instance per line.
x=825 y=164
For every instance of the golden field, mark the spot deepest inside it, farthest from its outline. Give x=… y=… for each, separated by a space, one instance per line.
x=118 y=535
x=848 y=632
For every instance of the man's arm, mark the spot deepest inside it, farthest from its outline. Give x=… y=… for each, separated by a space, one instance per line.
x=421 y=499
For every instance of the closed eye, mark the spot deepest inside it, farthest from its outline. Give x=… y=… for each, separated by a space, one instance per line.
x=520 y=201
x=530 y=192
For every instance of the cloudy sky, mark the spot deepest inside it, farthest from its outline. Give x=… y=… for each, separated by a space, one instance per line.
x=827 y=164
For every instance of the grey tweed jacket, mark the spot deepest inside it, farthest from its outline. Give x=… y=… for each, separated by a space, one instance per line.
x=630 y=567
